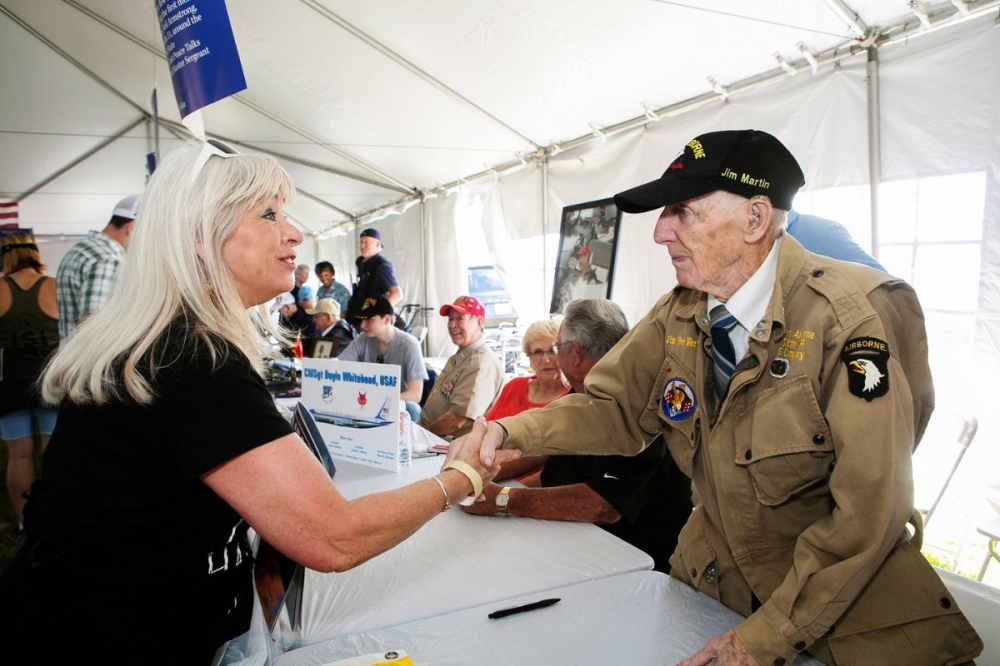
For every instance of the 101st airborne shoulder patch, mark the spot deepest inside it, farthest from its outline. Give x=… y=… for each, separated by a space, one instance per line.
x=867 y=361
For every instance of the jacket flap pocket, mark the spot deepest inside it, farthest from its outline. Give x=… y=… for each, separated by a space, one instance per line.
x=784 y=442
x=904 y=589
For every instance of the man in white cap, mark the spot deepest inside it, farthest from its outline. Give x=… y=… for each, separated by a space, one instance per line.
x=88 y=271
x=329 y=326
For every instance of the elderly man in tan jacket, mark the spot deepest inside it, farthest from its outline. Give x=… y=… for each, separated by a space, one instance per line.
x=472 y=378
x=792 y=388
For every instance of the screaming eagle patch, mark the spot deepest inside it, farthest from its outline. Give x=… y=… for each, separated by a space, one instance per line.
x=867 y=361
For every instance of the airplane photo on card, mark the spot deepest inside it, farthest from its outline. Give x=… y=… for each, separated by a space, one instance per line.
x=355 y=421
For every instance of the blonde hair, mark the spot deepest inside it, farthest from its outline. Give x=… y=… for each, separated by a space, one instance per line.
x=547 y=328
x=174 y=269
x=18 y=258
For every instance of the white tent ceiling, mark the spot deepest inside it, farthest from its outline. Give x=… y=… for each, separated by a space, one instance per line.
x=372 y=103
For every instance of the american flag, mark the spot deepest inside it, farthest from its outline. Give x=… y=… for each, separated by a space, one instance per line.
x=8 y=212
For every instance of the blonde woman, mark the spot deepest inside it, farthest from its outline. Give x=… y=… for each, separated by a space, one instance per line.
x=545 y=385
x=29 y=332
x=169 y=447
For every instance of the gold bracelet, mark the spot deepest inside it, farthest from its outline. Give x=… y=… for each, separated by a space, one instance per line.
x=471 y=473
x=447 y=500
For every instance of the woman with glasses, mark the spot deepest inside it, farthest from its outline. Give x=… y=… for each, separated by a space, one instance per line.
x=168 y=446
x=547 y=383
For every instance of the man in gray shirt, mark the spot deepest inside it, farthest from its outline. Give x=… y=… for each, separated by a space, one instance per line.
x=382 y=342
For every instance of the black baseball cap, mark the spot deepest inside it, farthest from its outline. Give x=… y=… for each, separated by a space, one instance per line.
x=744 y=162
x=375 y=307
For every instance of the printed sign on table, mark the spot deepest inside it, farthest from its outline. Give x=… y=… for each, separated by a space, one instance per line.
x=201 y=51
x=356 y=409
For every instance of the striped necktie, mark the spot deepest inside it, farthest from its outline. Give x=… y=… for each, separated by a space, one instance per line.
x=722 y=349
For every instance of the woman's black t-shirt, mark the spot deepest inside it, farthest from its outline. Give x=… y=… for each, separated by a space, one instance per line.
x=121 y=517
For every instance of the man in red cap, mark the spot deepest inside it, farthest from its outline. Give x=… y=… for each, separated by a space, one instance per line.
x=472 y=378
x=588 y=274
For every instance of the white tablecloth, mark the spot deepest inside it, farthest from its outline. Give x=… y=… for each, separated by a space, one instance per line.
x=640 y=618
x=455 y=562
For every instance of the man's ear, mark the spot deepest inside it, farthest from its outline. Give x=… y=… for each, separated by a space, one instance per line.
x=758 y=219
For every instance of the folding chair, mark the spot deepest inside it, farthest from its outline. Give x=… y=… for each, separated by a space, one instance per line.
x=990 y=528
x=967 y=432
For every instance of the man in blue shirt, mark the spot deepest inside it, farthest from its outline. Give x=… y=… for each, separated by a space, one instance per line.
x=376 y=277
x=828 y=238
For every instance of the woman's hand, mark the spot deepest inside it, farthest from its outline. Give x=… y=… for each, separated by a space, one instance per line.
x=466 y=449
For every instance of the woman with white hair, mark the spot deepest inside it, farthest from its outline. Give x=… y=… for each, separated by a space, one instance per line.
x=169 y=447
x=545 y=385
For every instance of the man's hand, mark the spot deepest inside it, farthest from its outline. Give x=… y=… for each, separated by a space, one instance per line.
x=486 y=445
x=492 y=443
x=485 y=504
x=723 y=650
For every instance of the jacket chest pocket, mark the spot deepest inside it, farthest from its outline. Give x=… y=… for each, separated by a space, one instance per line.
x=673 y=409
x=784 y=443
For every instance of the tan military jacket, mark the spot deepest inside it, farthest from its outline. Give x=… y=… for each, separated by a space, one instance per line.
x=804 y=471
x=468 y=385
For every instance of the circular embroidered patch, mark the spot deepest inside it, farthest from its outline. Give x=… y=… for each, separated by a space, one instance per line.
x=677 y=402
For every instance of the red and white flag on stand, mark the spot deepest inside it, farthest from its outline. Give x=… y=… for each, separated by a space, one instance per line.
x=8 y=212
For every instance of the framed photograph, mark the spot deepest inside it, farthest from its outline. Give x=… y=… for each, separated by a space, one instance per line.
x=323 y=349
x=588 y=242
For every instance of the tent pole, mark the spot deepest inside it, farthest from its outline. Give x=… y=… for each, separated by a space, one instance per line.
x=413 y=69
x=327 y=204
x=237 y=97
x=545 y=228
x=86 y=156
x=70 y=59
x=874 y=145
x=424 y=215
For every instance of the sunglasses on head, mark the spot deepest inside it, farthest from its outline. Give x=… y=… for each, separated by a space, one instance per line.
x=210 y=148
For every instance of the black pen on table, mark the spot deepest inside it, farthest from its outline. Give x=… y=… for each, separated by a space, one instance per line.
x=523 y=608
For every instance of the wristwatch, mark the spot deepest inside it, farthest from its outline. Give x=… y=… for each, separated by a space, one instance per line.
x=503 y=498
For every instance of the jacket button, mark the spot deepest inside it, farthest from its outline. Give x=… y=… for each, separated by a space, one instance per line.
x=710 y=575
x=748 y=455
x=945 y=603
x=818 y=272
x=780 y=661
x=818 y=439
x=800 y=646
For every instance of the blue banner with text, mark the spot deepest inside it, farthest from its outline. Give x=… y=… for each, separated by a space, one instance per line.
x=201 y=51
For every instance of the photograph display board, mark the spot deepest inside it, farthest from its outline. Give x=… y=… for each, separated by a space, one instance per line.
x=355 y=407
x=588 y=240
